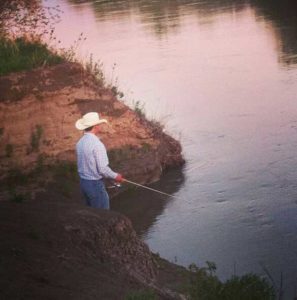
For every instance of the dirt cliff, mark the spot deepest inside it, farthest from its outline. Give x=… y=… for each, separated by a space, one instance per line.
x=38 y=110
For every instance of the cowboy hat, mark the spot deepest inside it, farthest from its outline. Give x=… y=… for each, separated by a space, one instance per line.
x=88 y=120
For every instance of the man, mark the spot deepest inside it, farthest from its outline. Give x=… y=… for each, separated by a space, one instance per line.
x=92 y=162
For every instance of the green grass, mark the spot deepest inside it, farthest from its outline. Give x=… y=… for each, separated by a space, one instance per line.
x=23 y=54
x=205 y=285
x=141 y=295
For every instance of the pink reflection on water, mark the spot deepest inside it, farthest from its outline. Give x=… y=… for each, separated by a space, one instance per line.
x=216 y=74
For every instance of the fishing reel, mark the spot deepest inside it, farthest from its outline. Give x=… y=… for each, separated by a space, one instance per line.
x=113 y=185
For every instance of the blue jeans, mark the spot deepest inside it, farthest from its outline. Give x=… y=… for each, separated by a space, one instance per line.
x=94 y=193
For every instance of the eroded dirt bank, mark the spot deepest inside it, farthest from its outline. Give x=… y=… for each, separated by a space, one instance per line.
x=52 y=246
x=38 y=110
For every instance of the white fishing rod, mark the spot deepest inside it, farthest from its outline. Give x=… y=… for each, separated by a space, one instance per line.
x=148 y=188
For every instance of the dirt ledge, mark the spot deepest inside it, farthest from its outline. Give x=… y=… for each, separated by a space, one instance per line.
x=67 y=251
x=38 y=110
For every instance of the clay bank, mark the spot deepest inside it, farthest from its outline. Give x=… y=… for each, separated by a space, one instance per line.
x=38 y=110
x=52 y=246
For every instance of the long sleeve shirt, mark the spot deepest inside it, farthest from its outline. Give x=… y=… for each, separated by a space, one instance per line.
x=92 y=159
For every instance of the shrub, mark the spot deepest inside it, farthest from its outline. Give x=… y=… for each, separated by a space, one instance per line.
x=204 y=285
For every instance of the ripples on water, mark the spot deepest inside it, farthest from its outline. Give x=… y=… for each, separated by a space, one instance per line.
x=222 y=74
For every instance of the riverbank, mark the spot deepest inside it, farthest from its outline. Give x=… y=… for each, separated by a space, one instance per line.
x=59 y=250
x=52 y=245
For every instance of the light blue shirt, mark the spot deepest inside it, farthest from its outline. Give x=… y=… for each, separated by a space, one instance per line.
x=92 y=160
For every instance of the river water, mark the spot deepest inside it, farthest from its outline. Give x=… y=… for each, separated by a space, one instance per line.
x=222 y=76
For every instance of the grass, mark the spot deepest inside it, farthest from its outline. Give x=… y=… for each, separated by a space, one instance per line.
x=205 y=285
x=139 y=109
x=141 y=295
x=36 y=137
x=25 y=54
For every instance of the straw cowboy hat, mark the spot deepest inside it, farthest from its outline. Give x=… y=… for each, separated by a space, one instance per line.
x=88 y=120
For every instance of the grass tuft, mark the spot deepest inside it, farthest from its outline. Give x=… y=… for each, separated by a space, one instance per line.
x=204 y=284
x=25 y=54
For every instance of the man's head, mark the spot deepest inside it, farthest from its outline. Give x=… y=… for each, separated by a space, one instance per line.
x=90 y=122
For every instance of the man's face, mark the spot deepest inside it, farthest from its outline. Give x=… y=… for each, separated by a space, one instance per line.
x=97 y=128
x=100 y=128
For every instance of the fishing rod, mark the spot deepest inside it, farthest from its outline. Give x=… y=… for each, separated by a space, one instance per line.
x=148 y=188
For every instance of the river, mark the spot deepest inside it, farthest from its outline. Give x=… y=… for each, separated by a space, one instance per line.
x=221 y=76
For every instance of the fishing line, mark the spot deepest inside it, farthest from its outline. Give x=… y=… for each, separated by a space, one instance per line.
x=196 y=167
x=148 y=188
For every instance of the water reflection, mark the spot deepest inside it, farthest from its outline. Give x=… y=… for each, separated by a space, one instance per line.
x=143 y=206
x=217 y=67
x=283 y=15
x=164 y=17
x=160 y=17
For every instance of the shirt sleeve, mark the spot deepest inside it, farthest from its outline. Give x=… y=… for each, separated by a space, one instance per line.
x=102 y=162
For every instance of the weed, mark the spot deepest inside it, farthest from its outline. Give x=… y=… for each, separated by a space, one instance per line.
x=116 y=92
x=95 y=68
x=204 y=284
x=9 y=150
x=249 y=286
x=69 y=54
x=35 y=138
x=139 y=109
x=141 y=295
x=146 y=147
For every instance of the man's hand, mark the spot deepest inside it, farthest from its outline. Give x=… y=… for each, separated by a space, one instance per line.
x=119 y=178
